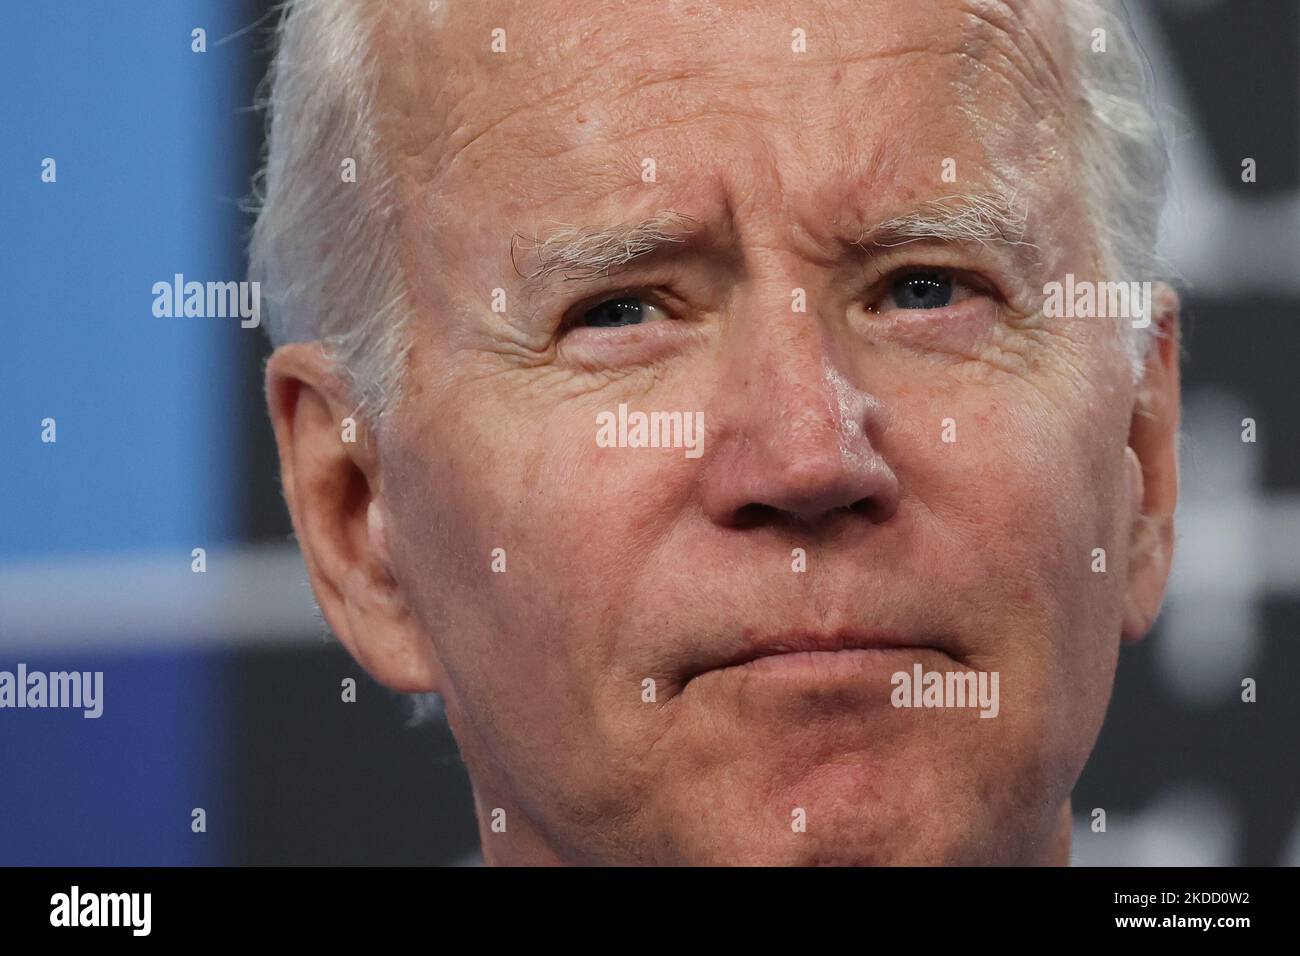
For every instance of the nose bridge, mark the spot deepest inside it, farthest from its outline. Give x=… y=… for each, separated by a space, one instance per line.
x=797 y=415
x=791 y=440
x=783 y=364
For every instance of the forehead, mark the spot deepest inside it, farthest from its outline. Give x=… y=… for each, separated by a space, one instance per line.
x=869 y=96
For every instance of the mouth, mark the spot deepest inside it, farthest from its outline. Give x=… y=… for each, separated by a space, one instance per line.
x=824 y=654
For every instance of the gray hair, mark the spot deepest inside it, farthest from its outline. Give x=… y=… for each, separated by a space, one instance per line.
x=1124 y=152
x=324 y=249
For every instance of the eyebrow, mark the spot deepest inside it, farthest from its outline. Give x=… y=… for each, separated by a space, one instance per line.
x=579 y=254
x=999 y=218
x=572 y=253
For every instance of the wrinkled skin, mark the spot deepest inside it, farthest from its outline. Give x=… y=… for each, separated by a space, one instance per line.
x=823 y=433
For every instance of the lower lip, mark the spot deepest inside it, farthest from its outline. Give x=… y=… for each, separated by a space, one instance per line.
x=829 y=666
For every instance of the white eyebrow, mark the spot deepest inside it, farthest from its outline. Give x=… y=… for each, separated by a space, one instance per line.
x=591 y=253
x=578 y=253
x=957 y=218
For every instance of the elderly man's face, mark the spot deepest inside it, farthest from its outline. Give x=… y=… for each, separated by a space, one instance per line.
x=901 y=456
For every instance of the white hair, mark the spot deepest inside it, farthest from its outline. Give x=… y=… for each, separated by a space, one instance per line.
x=325 y=249
x=324 y=244
x=1124 y=151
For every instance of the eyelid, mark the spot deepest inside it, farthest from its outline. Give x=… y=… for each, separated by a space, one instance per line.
x=650 y=295
x=977 y=266
x=961 y=279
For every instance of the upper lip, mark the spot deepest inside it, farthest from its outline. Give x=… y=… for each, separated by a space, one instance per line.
x=753 y=646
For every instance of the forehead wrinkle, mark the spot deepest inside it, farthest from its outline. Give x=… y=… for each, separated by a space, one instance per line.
x=592 y=160
x=994 y=25
x=540 y=124
x=653 y=101
x=566 y=66
x=537 y=118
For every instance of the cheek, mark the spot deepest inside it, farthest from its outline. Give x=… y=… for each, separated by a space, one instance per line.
x=575 y=523
x=962 y=331
x=1015 y=508
x=1025 y=493
x=1070 y=501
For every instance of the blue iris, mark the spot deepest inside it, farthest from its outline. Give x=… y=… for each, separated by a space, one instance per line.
x=613 y=313
x=922 y=290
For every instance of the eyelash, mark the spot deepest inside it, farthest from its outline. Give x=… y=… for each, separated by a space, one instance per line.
x=572 y=318
x=962 y=279
x=959 y=280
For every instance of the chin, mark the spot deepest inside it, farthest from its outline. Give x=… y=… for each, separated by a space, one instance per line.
x=858 y=842
x=835 y=817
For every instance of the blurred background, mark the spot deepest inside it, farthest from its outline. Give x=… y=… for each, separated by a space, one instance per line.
x=222 y=689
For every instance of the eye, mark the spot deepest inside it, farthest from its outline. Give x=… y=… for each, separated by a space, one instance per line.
x=930 y=289
x=922 y=289
x=616 y=313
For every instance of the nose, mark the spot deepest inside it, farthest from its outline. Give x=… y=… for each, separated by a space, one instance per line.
x=794 y=442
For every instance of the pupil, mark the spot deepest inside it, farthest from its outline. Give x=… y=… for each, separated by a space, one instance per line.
x=923 y=291
x=614 y=313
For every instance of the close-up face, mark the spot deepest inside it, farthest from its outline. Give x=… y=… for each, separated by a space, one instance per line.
x=820 y=233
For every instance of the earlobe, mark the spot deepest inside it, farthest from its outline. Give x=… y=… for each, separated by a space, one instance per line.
x=331 y=487
x=386 y=638
x=1136 y=484
x=1148 y=564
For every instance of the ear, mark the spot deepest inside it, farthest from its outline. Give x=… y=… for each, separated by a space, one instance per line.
x=1152 y=462
x=333 y=490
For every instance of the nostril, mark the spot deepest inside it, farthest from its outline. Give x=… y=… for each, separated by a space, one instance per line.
x=800 y=488
x=753 y=515
x=756 y=514
x=872 y=507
